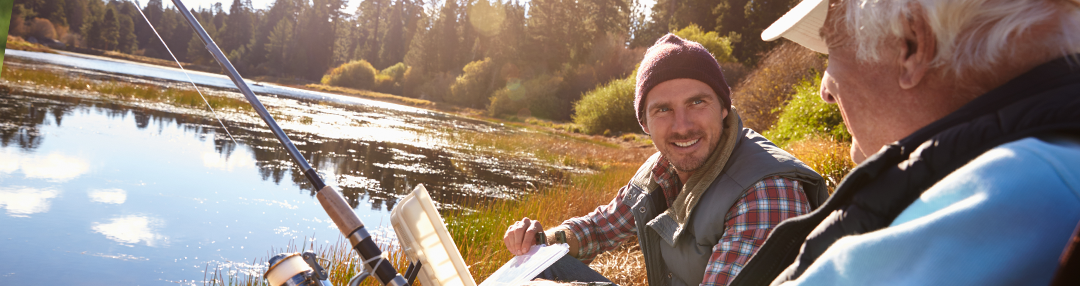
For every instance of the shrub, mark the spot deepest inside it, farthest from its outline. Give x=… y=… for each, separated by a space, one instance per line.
x=608 y=108
x=386 y=84
x=395 y=72
x=720 y=47
x=529 y=98
x=805 y=116
x=42 y=28
x=772 y=82
x=473 y=88
x=355 y=74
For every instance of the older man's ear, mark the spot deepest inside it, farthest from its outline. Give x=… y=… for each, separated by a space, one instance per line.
x=917 y=51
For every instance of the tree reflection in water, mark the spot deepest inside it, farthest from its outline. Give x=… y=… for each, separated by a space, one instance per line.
x=368 y=172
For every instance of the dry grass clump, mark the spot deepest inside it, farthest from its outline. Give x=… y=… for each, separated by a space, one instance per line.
x=624 y=265
x=830 y=158
x=769 y=85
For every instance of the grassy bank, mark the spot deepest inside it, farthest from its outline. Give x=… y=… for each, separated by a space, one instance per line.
x=111 y=89
x=372 y=95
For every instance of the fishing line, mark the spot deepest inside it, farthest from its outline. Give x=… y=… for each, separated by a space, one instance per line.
x=185 y=72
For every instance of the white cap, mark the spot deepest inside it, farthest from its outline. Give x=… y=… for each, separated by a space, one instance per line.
x=802 y=25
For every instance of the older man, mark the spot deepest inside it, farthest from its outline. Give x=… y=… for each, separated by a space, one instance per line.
x=965 y=118
x=705 y=201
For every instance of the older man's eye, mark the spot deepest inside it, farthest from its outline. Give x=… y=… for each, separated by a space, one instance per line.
x=699 y=101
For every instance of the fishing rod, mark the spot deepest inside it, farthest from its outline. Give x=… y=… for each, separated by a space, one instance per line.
x=332 y=201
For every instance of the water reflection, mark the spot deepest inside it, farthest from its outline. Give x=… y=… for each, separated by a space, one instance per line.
x=109 y=196
x=53 y=167
x=369 y=173
x=25 y=201
x=224 y=161
x=132 y=229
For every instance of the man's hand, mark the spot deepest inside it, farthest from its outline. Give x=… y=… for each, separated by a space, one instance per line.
x=519 y=236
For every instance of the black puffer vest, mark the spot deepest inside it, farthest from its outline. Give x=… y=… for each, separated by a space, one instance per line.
x=1043 y=101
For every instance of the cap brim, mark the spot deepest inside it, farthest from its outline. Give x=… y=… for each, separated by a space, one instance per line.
x=802 y=25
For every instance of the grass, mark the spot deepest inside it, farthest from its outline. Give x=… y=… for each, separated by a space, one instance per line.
x=121 y=90
x=372 y=95
x=479 y=234
x=17 y=43
x=558 y=148
x=828 y=157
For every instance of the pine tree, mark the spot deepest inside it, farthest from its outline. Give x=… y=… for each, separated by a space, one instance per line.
x=110 y=31
x=145 y=34
x=238 y=27
x=126 y=42
x=393 y=47
x=447 y=41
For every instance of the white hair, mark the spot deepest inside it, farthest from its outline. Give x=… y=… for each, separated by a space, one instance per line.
x=971 y=34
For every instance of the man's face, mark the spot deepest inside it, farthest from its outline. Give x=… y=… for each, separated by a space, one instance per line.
x=685 y=119
x=862 y=91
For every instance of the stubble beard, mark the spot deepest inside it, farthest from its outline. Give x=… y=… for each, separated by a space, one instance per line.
x=690 y=163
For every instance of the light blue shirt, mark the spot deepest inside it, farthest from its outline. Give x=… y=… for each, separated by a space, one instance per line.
x=1002 y=219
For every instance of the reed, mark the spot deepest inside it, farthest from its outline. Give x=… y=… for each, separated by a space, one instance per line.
x=114 y=89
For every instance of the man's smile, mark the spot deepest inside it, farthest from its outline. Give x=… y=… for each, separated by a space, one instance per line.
x=685 y=144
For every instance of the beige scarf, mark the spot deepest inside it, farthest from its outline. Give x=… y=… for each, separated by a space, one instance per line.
x=696 y=185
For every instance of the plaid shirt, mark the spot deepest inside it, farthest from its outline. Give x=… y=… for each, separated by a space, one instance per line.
x=746 y=225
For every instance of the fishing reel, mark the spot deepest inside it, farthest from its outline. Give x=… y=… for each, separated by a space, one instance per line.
x=296 y=269
x=303 y=269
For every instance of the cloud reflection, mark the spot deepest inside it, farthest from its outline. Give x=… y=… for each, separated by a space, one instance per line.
x=220 y=162
x=54 y=166
x=23 y=201
x=131 y=230
x=108 y=196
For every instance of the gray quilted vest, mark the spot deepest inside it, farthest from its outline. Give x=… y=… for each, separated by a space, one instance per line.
x=676 y=256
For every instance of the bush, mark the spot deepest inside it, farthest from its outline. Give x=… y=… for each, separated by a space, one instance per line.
x=41 y=29
x=395 y=72
x=608 y=108
x=806 y=116
x=473 y=88
x=528 y=98
x=355 y=74
x=771 y=84
x=720 y=47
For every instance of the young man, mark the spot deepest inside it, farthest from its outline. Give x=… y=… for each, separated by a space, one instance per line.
x=964 y=118
x=705 y=201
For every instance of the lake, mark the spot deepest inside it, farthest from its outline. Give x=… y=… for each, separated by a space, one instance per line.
x=113 y=192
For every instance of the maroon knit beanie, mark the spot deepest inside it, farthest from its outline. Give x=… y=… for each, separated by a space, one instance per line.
x=671 y=58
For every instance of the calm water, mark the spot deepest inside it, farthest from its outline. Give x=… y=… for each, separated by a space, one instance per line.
x=132 y=193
